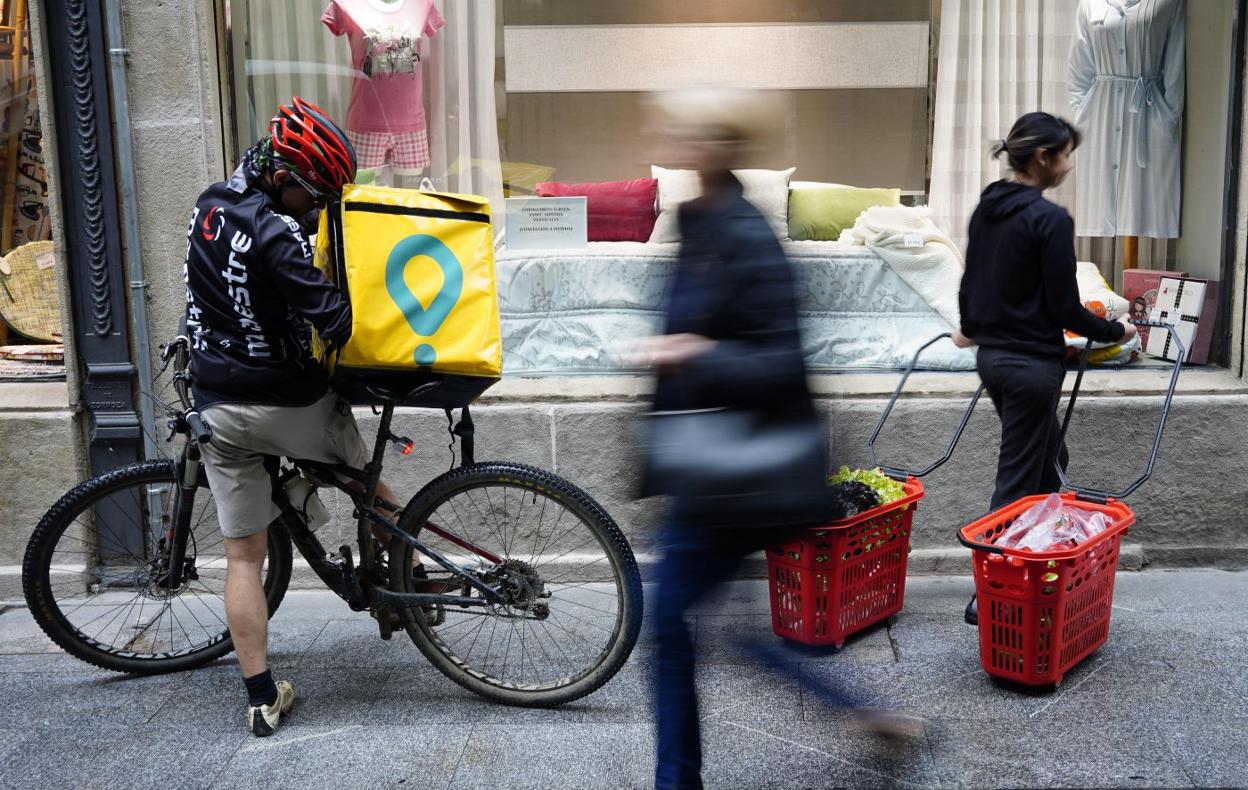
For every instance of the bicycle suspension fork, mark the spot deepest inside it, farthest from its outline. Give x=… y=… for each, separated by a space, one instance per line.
x=180 y=524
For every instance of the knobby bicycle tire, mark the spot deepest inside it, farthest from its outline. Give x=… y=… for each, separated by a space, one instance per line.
x=40 y=595
x=426 y=626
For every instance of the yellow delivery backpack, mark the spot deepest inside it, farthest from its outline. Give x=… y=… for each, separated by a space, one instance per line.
x=418 y=269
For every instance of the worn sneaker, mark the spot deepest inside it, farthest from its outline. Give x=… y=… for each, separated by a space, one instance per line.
x=263 y=720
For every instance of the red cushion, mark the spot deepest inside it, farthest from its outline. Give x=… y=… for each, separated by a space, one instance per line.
x=618 y=210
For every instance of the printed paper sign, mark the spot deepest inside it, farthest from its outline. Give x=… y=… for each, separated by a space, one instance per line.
x=556 y=223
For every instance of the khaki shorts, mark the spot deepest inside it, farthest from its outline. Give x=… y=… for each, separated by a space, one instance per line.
x=243 y=433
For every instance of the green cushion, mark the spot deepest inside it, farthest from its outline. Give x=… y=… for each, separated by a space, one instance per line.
x=820 y=214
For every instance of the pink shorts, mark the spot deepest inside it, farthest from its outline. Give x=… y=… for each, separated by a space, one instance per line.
x=403 y=150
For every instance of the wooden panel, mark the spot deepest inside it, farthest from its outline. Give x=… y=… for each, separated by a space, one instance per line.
x=615 y=12
x=655 y=57
x=863 y=137
x=870 y=138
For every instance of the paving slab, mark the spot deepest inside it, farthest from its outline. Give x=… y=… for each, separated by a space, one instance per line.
x=1164 y=703
x=355 y=643
x=558 y=755
x=810 y=755
x=1215 y=756
x=19 y=633
x=140 y=757
x=73 y=701
x=351 y=755
x=986 y=753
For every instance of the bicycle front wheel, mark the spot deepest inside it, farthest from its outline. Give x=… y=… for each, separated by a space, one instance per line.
x=573 y=592
x=95 y=582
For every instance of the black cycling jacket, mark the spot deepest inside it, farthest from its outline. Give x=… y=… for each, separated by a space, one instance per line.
x=251 y=290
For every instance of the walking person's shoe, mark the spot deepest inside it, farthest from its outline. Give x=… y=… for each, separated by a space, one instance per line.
x=971 y=615
x=263 y=720
x=891 y=725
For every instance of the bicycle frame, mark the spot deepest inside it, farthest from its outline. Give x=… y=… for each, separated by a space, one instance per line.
x=362 y=595
x=341 y=576
x=345 y=578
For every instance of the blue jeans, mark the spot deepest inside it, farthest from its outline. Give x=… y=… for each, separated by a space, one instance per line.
x=695 y=561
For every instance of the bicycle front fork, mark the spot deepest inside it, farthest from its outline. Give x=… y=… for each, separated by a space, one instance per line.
x=180 y=522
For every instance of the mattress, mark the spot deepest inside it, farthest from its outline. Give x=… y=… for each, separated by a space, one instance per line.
x=569 y=312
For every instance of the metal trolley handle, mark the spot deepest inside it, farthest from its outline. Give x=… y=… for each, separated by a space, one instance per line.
x=1096 y=494
x=898 y=472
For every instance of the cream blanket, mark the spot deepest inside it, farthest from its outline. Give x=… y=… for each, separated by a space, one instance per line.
x=919 y=252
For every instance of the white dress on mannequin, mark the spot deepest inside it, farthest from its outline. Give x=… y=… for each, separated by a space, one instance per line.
x=1127 y=64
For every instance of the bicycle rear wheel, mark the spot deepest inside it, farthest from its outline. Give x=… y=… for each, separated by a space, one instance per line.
x=574 y=592
x=101 y=599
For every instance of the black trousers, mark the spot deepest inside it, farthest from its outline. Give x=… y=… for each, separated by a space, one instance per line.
x=1025 y=391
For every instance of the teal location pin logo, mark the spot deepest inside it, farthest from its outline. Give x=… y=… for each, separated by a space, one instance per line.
x=424 y=320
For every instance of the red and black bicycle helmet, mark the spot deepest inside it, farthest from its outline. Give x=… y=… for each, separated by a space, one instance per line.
x=312 y=145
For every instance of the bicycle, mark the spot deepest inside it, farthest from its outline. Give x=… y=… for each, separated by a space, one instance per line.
x=507 y=557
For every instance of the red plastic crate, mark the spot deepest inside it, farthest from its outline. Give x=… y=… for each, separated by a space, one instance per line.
x=836 y=580
x=1041 y=613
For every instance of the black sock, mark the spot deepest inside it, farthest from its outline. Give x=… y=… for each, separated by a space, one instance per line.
x=261 y=690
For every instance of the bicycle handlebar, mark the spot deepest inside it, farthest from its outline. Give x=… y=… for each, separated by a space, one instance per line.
x=200 y=431
x=178 y=352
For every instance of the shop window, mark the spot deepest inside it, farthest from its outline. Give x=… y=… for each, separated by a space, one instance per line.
x=30 y=311
x=499 y=97
x=575 y=76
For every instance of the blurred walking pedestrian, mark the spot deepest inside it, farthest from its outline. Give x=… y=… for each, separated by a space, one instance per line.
x=735 y=438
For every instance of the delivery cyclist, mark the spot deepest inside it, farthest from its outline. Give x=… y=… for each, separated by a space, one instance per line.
x=251 y=291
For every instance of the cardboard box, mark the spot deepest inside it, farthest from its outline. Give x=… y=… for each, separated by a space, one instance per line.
x=1139 y=287
x=1191 y=304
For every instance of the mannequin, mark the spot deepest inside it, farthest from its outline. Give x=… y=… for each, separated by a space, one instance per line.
x=386 y=114
x=1127 y=92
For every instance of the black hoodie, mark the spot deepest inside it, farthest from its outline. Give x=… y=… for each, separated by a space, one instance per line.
x=1019 y=289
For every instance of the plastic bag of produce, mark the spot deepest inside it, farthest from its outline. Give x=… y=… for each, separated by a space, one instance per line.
x=1052 y=525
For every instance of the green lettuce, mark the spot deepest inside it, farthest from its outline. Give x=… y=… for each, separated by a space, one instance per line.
x=889 y=489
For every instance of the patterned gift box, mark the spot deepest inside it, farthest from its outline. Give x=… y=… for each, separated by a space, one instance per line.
x=1182 y=301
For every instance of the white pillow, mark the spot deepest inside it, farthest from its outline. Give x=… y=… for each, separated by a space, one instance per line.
x=768 y=190
x=814 y=185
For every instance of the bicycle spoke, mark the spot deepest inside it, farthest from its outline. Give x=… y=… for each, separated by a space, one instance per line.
x=583 y=606
x=187 y=607
x=507 y=649
x=113 y=642
x=540 y=518
x=563 y=614
x=554 y=528
x=501 y=543
x=582 y=586
x=113 y=606
x=556 y=579
x=490 y=506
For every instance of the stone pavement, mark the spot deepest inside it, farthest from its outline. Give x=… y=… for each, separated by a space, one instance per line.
x=1163 y=704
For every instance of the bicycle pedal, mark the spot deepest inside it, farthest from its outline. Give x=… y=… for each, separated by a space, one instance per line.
x=350 y=580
